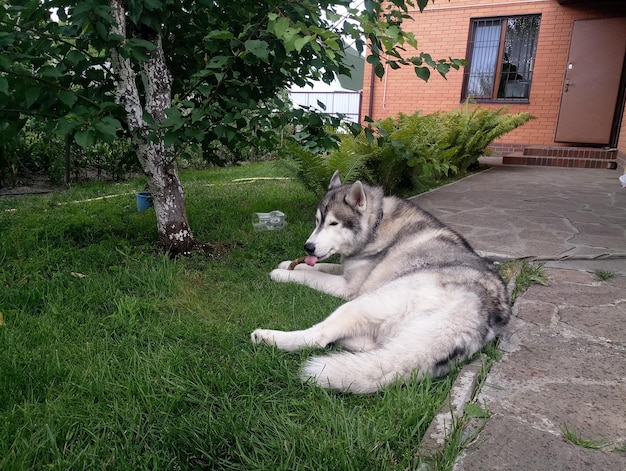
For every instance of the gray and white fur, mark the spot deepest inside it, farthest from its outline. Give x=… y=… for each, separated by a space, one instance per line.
x=419 y=297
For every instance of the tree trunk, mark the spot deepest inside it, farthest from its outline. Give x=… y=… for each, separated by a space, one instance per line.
x=157 y=161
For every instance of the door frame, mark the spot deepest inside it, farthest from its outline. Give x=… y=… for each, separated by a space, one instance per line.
x=619 y=108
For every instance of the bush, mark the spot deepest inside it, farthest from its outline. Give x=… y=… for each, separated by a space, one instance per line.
x=403 y=151
x=29 y=147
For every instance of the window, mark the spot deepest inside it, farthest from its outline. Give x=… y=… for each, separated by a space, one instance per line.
x=501 y=57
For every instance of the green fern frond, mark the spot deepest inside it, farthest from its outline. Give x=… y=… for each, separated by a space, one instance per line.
x=408 y=148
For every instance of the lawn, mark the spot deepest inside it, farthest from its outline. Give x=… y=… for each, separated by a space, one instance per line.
x=116 y=357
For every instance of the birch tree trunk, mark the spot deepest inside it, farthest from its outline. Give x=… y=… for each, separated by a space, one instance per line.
x=157 y=161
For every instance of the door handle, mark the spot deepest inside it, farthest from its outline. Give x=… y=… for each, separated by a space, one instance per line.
x=566 y=86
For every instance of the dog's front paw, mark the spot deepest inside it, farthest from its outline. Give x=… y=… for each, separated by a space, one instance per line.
x=281 y=275
x=263 y=336
x=289 y=341
x=284 y=265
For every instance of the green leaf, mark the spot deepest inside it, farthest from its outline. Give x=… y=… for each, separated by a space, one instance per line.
x=258 y=48
x=393 y=32
x=65 y=127
x=423 y=73
x=5 y=64
x=50 y=72
x=4 y=86
x=139 y=55
x=379 y=70
x=68 y=98
x=138 y=42
x=280 y=27
x=197 y=115
x=220 y=35
x=32 y=95
x=443 y=69
x=107 y=128
x=457 y=63
x=74 y=57
x=135 y=9
x=219 y=130
x=116 y=38
x=85 y=138
x=301 y=42
x=411 y=40
x=217 y=62
x=102 y=30
x=428 y=59
x=174 y=118
x=421 y=4
x=170 y=139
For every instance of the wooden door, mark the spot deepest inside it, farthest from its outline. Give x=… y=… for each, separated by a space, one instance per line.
x=592 y=81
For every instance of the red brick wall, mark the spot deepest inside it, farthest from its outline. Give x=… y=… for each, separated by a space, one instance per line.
x=442 y=30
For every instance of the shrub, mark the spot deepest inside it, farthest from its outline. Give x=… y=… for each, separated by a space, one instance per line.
x=401 y=152
x=416 y=147
x=29 y=147
x=470 y=130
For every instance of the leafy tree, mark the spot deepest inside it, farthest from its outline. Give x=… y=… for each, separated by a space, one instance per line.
x=167 y=72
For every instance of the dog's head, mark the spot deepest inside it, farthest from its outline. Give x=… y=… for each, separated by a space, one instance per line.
x=340 y=221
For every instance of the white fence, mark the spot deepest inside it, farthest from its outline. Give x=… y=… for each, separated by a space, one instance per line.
x=346 y=103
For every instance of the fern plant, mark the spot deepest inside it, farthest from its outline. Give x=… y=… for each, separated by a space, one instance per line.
x=413 y=148
x=314 y=170
x=405 y=150
x=471 y=129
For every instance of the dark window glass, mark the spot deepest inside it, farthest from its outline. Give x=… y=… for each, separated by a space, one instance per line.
x=501 y=56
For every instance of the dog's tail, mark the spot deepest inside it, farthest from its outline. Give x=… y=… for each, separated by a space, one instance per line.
x=368 y=371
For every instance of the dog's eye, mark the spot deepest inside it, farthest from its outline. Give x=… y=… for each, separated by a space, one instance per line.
x=333 y=223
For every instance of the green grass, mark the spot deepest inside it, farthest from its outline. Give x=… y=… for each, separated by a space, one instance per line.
x=116 y=357
x=576 y=438
x=603 y=275
x=523 y=274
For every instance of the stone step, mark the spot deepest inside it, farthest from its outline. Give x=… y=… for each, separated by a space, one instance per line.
x=521 y=158
x=578 y=152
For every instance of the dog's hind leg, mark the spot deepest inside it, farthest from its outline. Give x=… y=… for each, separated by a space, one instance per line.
x=364 y=343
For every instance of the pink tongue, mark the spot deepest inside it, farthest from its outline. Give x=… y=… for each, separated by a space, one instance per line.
x=310 y=260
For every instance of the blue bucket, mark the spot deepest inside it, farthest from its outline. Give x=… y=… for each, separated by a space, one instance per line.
x=144 y=201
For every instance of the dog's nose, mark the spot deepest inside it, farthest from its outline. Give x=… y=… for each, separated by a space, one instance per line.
x=309 y=248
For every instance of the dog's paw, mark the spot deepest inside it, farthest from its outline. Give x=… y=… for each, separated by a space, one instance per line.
x=263 y=336
x=284 y=265
x=281 y=275
x=289 y=341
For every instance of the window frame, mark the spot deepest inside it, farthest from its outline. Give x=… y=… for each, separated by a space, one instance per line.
x=498 y=72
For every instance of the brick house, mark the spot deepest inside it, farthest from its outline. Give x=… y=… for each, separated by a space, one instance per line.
x=561 y=60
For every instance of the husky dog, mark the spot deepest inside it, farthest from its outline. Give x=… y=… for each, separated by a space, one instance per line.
x=420 y=298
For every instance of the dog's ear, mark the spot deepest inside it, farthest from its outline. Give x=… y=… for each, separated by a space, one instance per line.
x=356 y=196
x=334 y=181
